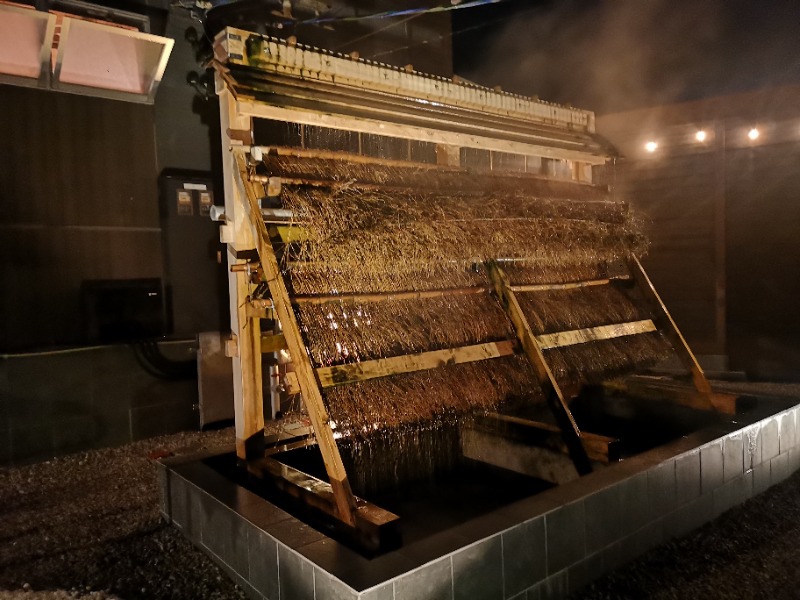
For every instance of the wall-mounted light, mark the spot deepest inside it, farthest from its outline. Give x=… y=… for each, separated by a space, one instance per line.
x=753 y=134
x=701 y=136
x=651 y=146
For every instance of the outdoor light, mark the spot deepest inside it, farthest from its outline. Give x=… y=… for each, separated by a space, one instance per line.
x=651 y=146
x=753 y=134
x=700 y=136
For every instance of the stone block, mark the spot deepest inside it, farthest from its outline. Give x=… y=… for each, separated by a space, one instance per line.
x=711 y=466
x=603 y=518
x=733 y=493
x=661 y=488
x=566 y=536
x=687 y=477
x=732 y=456
x=788 y=432
x=770 y=438
x=263 y=562
x=478 y=570
x=296 y=575
x=524 y=556
x=433 y=580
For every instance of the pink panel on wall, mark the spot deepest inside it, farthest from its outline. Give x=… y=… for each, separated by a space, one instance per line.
x=21 y=39
x=103 y=57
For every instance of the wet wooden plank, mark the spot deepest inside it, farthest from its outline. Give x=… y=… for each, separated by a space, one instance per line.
x=592 y=334
x=409 y=363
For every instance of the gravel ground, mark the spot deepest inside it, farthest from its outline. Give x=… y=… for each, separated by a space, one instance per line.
x=752 y=551
x=87 y=526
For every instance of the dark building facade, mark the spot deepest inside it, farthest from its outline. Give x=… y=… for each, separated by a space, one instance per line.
x=721 y=208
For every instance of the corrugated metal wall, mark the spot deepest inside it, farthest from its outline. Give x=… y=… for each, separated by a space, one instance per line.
x=79 y=201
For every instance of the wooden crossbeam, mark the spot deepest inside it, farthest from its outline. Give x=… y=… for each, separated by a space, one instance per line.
x=674 y=392
x=383 y=367
x=593 y=334
x=547 y=381
x=312 y=397
x=548 y=287
x=373 y=527
x=417 y=295
x=666 y=324
x=408 y=295
x=272 y=342
x=598 y=447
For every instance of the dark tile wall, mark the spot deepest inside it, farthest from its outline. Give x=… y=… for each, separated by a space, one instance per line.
x=568 y=537
x=57 y=403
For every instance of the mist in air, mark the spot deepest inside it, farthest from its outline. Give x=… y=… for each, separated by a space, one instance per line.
x=620 y=54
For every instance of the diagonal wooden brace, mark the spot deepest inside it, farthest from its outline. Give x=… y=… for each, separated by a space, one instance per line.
x=666 y=324
x=552 y=392
x=309 y=386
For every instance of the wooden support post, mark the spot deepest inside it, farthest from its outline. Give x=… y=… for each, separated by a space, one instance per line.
x=248 y=398
x=550 y=388
x=666 y=324
x=304 y=370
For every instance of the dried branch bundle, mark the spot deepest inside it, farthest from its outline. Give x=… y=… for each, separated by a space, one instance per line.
x=563 y=310
x=371 y=241
x=596 y=361
x=423 y=177
x=345 y=333
x=391 y=458
x=434 y=396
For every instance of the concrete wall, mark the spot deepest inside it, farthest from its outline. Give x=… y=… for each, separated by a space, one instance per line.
x=546 y=546
x=56 y=403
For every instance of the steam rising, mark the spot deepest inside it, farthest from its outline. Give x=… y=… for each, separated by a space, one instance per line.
x=621 y=54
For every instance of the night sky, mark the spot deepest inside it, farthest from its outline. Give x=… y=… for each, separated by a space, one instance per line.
x=619 y=54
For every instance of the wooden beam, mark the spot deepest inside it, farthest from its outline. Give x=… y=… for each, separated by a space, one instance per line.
x=309 y=388
x=547 y=287
x=666 y=324
x=249 y=411
x=259 y=308
x=248 y=396
x=384 y=124
x=358 y=298
x=346 y=157
x=383 y=367
x=547 y=381
x=272 y=342
x=593 y=334
x=372 y=527
x=496 y=447
x=417 y=295
x=675 y=393
x=599 y=448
